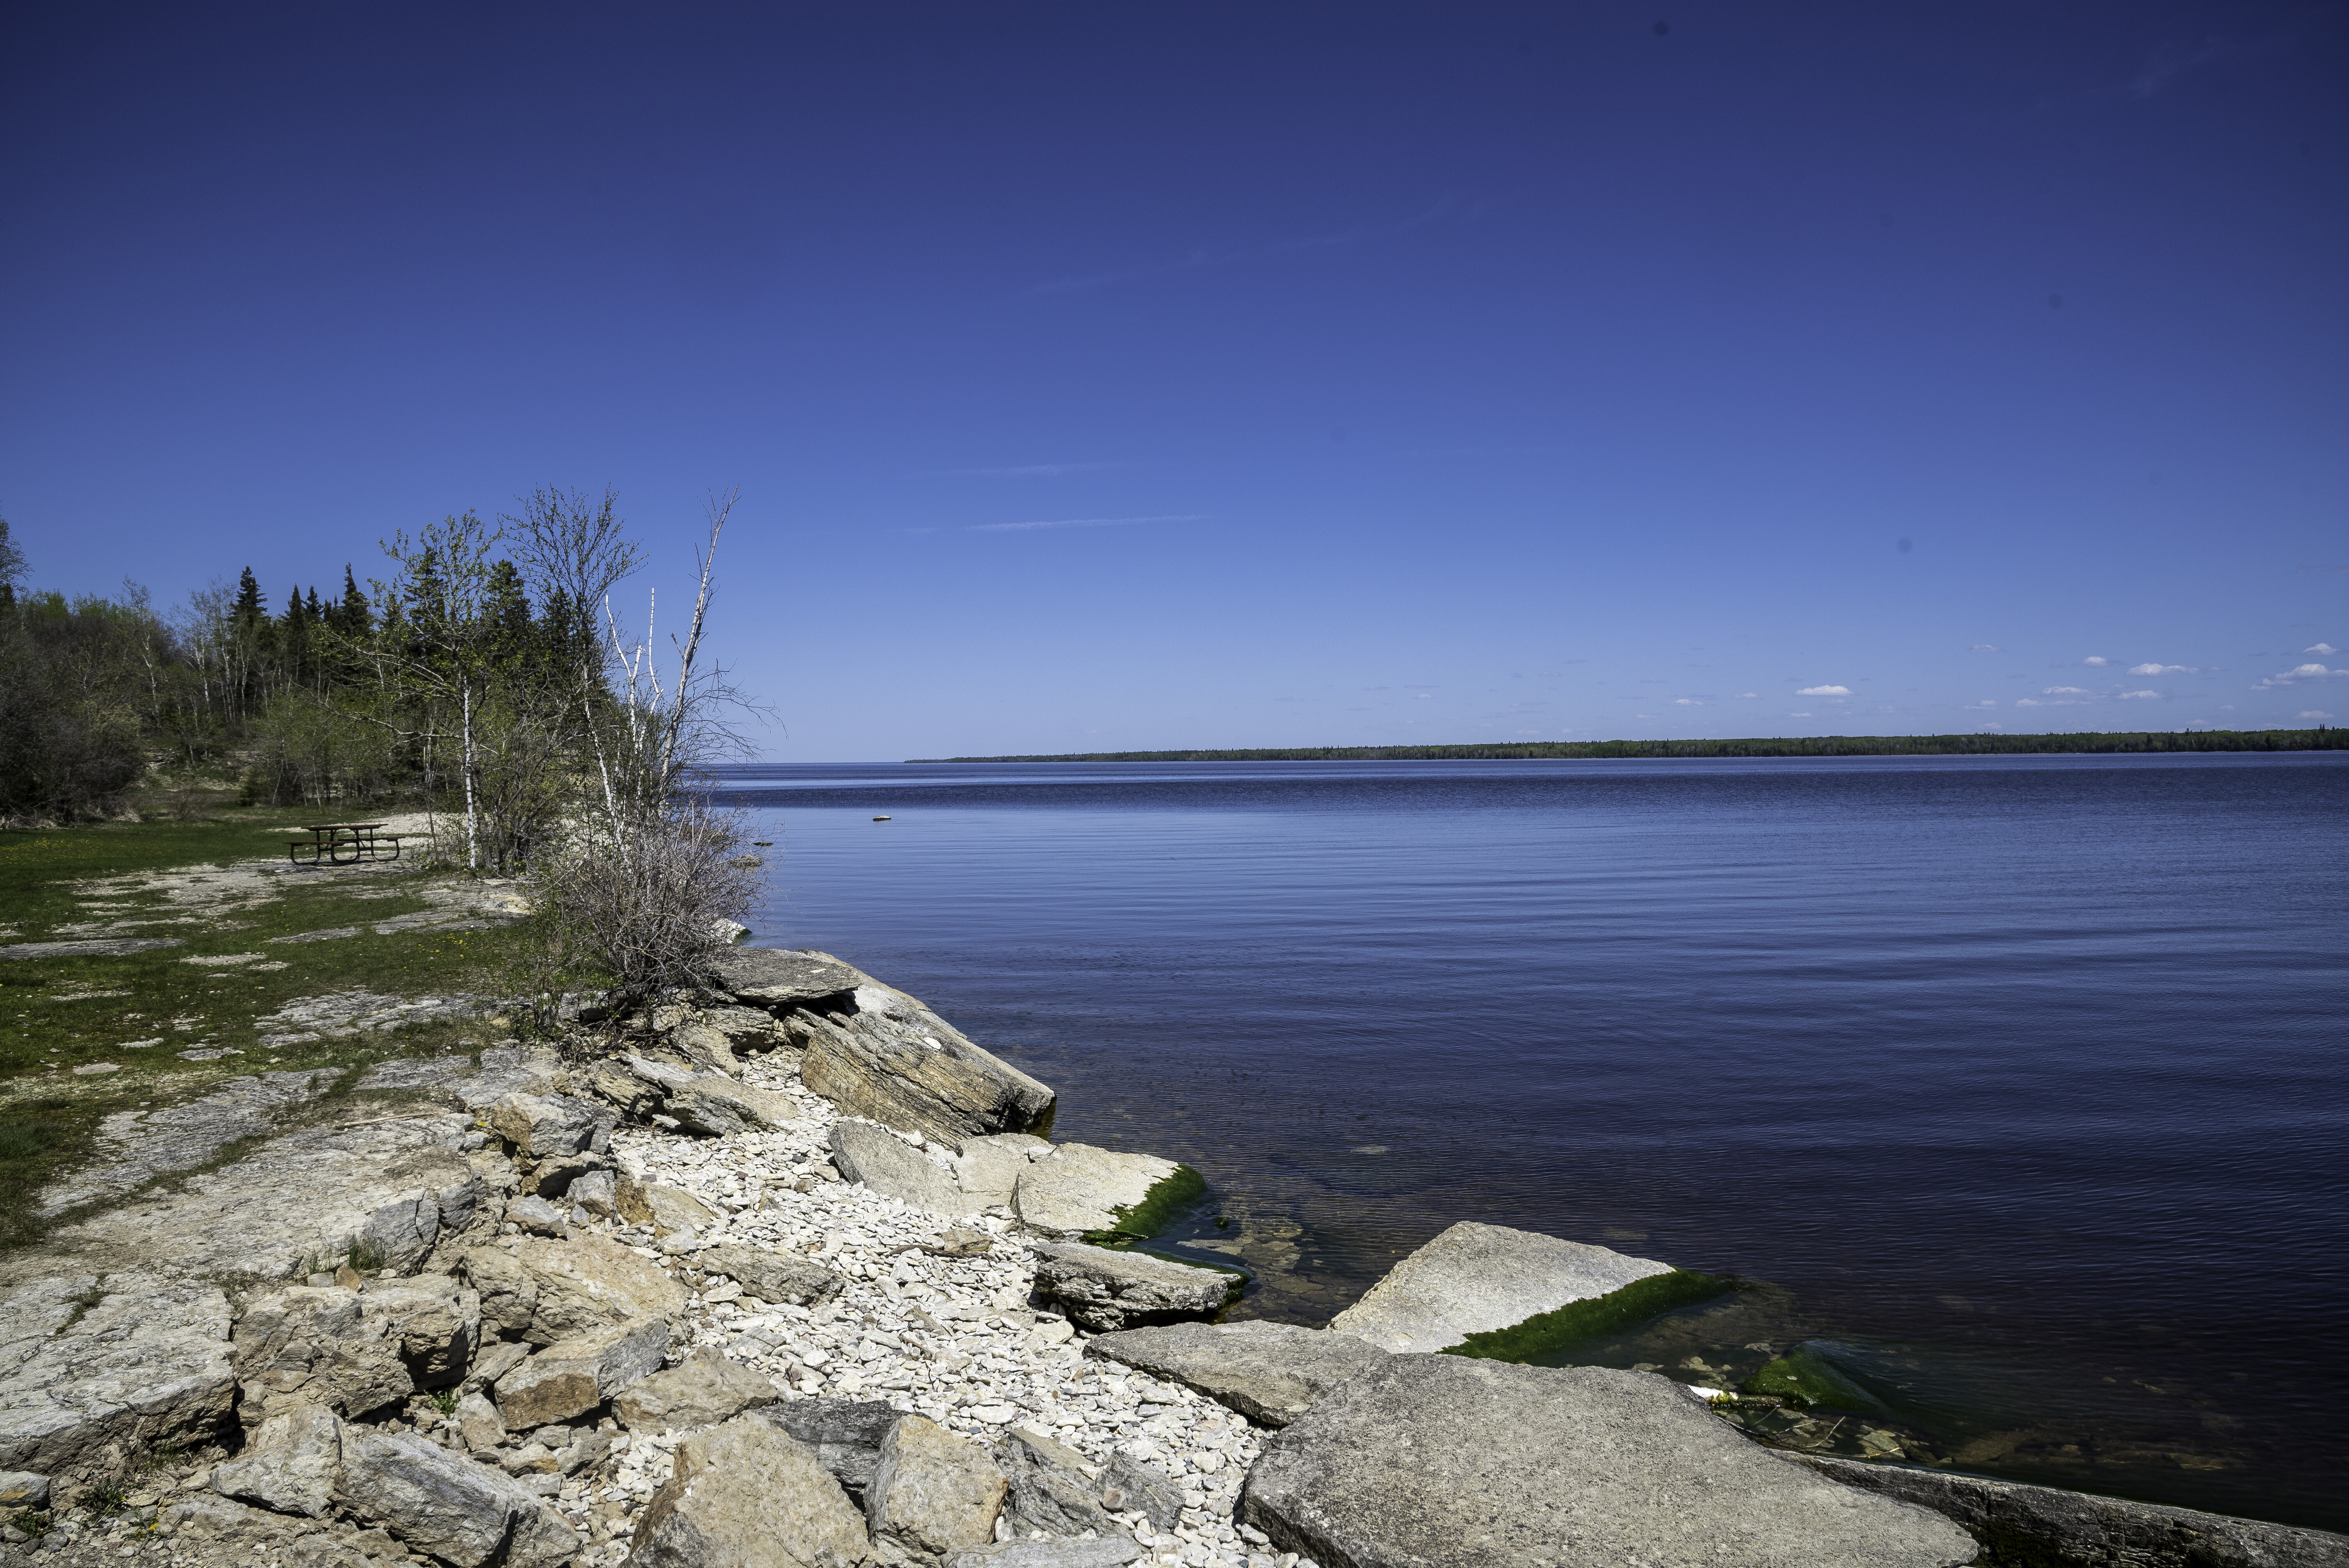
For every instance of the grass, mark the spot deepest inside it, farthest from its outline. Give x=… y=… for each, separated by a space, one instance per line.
x=1548 y=1332
x=52 y=1020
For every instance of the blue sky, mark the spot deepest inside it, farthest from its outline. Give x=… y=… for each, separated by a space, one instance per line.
x=1143 y=376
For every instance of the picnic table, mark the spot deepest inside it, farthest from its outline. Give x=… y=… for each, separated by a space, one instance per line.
x=343 y=844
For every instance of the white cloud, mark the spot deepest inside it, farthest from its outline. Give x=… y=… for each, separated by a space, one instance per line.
x=2126 y=694
x=2066 y=691
x=1080 y=522
x=2297 y=672
x=2312 y=713
x=2165 y=669
x=1985 y=648
x=1686 y=702
x=1822 y=691
x=1985 y=703
x=2029 y=702
x=2097 y=660
x=1749 y=693
x=1798 y=716
x=2321 y=649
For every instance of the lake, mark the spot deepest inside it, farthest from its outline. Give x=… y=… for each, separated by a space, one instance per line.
x=2010 y=1089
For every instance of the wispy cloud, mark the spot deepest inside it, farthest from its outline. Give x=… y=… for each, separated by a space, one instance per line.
x=2313 y=713
x=1083 y=522
x=1985 y=704
x=1823 y=691
x=1985 y=648
x=2295 y=675
x=2066 y=691
x=2321 y=649
x=2165 y=669
x=1031 y=471
x=1749 y=694
x=2096 y=661
x=2126 y=694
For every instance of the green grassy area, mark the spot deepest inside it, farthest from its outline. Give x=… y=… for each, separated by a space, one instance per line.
x=52 y=1016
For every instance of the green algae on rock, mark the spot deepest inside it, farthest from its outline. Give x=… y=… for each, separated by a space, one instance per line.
x=1548 y=1332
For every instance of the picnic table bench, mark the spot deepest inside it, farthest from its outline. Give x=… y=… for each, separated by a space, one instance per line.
x=343 y=844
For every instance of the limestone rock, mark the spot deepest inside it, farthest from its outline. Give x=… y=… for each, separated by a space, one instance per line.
x=845 y=1435
x=987 y=1169
x=536 y=1216
x=705 y=1388
x=710 y=1104
x=1113 y=1551
x=209 y=1530
x=436 y=1320
x=1078 y=1189
x=22 y=1488
x=1440 y=1458
x=889 y=1166
x=1106 y=1291
x=93 y=1376
x=704 y=1046
x=778 y=982
x=772 y=1276
x=1475 y=1279
x=917 y=1073
x=596 y=1192
x=546 y=1291
x=745 y=1495
x=553 y=1177
x=671 y=1209
x=543 y=1126
x=744 y=1028
x=1269 y=1372
x=2046 y=1524
x=315 y=1345
x=479 y=1423
x=933 y=1493
x=1051 y=1487
x=495 y=1360
x=440 y=1502
x=1135 y=1487
x=288 y=1464
x=574 y=1376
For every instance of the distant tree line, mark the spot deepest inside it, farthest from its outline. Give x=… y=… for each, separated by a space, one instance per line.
x=2102 y=741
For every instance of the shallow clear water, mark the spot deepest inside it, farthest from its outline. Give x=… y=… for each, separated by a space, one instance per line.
x=2021 y=1077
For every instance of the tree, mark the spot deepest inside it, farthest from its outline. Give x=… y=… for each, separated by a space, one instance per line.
x=443 y=577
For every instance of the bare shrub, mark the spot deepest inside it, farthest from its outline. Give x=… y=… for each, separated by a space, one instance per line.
x=640 y=910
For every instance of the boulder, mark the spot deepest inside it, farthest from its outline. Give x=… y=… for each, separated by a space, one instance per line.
x=702 y=1390
x=316 y=1345
x=712 y=1104
x=479 y=1423
x=1443 y=1458
x=666 y=1210
x=777 y=982
x=1052 y=1487
x=436 y=1320
x=917 y=1074
x=933 y=1493
x=1269 y=1372
x=1478 y=1279
x=94 y=1375
x=1106 y=1291
x=495 y=1360
x=553 y=1178
x=743 y=1494
x=987 y=1169
x=2047 y=1525
x=288 y=1464
x=1078 y=1190
x=440 y=1502
x=742 y=1028
x=22 y=1488
x=845 y=1435
x=1114 y=1552
x=536 y=1216
x=574 y=1376
x=772 y=1276
x=595 y=1192
x=541 y=1127
x=545 y=1291
x=1135 y=1487
x=214 y=1530
x=886 y=1164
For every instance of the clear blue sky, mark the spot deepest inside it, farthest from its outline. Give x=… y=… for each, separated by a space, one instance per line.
x=1152 y=375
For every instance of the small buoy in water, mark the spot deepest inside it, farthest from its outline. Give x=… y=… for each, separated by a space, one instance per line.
x=880 y=819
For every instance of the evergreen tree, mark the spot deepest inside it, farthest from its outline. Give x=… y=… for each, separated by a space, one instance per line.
x=352 y=617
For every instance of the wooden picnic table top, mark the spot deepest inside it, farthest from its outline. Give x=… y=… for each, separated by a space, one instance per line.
x=334 y=826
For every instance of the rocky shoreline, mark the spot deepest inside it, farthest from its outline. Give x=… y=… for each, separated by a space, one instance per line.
x=792 y=1272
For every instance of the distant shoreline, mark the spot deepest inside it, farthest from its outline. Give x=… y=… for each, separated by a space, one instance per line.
x=2322 y=738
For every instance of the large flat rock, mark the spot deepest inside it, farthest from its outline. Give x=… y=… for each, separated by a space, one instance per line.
x=1272 y=1373
x=1428 y=1460
x=887 y=1164
x=1105 y=1290
x=2049 y=1526
x=1478 y=1279
x=777 y=981
x=1078 y=1189
x=896 y=1062
x=94 y=1374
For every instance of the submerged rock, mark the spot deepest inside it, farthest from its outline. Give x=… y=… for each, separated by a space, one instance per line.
x=1479 y=1279
x=1269 y=1372
x=1105 y=1290
x=1440 y=1458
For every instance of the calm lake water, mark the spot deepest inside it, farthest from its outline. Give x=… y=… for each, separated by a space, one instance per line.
x=2019 y=1080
